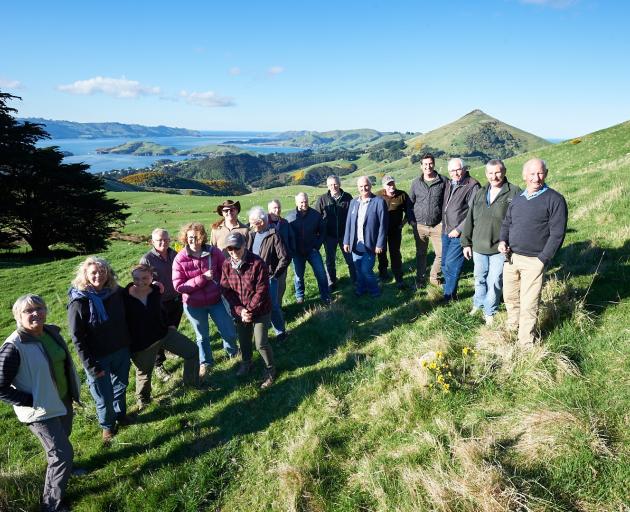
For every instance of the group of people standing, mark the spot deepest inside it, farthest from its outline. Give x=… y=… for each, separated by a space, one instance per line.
x=237 y=277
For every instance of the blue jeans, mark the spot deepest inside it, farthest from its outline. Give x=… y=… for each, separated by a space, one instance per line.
x=331 y=245
x=277 y=318
x=109 y=390
x=225 y=325
x=366 y=278
x=299 y=267
x=452 y=264
x=488 y=281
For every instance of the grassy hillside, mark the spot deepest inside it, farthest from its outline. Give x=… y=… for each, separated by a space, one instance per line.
x=359 y=419
x=476 y=135
x=147 y=148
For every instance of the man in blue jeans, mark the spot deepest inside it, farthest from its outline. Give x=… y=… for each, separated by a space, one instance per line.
x=459 y=194
x=307 y=231
x=366 y=235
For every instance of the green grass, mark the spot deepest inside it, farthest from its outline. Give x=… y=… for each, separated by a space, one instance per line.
x=352 y=423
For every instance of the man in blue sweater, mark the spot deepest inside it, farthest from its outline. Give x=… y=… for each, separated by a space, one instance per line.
x=531 y=233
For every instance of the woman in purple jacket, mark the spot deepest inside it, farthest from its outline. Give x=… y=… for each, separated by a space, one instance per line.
x=196 y=275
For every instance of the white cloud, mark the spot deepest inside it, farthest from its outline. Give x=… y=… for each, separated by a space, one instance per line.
x=235 y=71
x=556 y=4
x=7 y=83
x=117 y=87
x=275 y=70
x=207 y=99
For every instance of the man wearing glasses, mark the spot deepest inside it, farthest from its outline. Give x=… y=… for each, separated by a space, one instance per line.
x=459 y=194
x=160 y=258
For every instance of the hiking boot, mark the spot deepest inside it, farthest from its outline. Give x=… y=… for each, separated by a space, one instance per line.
x=142 y=404
x=435 y=281
x=268 y=379
x=244 y=368
x=162 y=373
x=108 y=435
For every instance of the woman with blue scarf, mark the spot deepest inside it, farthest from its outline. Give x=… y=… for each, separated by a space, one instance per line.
x=96 y=317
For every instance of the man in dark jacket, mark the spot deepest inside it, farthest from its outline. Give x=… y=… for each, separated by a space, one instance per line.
x=245 y=284
x=398 y=213
x=426 y=195
x=480 y=238
x=458 y=196
x=531 y=233
x=161 y=258
x=366 y=235
x=265 y=242
x=274 y=209
x=333 y=207
x=307 y=232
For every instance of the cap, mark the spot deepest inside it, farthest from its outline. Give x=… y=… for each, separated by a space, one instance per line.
x=235 y=240
x=387 y=179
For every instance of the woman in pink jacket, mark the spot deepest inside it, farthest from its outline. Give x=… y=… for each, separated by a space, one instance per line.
x=196 y=275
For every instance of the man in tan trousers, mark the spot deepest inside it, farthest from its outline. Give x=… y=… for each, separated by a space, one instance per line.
x=531 y=233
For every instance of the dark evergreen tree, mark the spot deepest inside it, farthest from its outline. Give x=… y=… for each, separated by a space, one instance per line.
x=47 y=202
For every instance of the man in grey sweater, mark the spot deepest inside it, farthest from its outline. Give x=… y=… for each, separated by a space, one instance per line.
x=532 y=231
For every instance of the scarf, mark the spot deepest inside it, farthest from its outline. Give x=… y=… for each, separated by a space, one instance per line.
x=98 y=314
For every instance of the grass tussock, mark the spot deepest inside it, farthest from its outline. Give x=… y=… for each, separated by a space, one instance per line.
x=560 y=301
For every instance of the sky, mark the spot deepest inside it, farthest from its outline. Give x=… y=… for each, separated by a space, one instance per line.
x=556 y=68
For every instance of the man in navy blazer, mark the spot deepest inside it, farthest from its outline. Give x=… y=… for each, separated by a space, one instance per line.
x=365 y=235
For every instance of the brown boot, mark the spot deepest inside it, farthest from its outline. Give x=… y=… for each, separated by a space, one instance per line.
x=269 y=378
x=108 y=435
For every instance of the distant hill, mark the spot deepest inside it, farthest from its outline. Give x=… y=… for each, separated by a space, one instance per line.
x=334 y=139
x=162 y=182
x=476 y=135
x=72 y=130
x=147 y=148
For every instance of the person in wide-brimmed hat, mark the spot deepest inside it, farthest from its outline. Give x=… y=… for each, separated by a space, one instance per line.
x=229 y=224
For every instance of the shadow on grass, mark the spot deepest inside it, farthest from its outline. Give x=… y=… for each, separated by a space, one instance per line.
x=19 y=258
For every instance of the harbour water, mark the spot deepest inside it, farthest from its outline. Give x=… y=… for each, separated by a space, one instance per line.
x=84 y=150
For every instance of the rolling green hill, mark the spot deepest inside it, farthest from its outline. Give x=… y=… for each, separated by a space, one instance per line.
x=355 y=420
x=476 y=135
x=147 y=148
x=334 y=139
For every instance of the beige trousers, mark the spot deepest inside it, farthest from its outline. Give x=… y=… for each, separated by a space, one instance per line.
x=422 y=234
x=522 y=284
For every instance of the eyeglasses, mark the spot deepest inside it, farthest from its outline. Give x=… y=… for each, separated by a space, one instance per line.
x=232 y=249
x=162 y=240
x=455 y=170
x=193 y=237
x=227 y=210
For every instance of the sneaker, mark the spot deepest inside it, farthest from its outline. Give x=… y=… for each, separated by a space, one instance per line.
x=244 y=368
x=204 y=371
x=268 y=380
x=108 y=435
x=162 y=373
x=473 y=311
x=299 y=300
x=489 y=319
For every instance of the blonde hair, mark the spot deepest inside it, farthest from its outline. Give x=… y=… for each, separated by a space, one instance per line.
x=80 y=282
x=29 y=299
x=197 y=227
x=142 y=268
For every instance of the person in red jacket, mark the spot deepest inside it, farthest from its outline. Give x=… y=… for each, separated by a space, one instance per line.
x=245 y=282
x=196 y=275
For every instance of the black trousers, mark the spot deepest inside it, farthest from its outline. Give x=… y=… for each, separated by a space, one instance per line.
x=394 y=238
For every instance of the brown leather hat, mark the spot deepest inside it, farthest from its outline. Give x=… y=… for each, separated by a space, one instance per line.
x=229 y=204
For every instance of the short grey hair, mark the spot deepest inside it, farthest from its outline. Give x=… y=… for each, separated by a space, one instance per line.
x=495 y=162
x=276 y=202
x=157 y=232
x=460 y=160
x=542 y=163
x=301 y=194
x=30 y=299
x=334 y=177
x=258 y=212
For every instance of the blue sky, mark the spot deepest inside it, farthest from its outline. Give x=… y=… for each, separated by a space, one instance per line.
x=557 y=68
